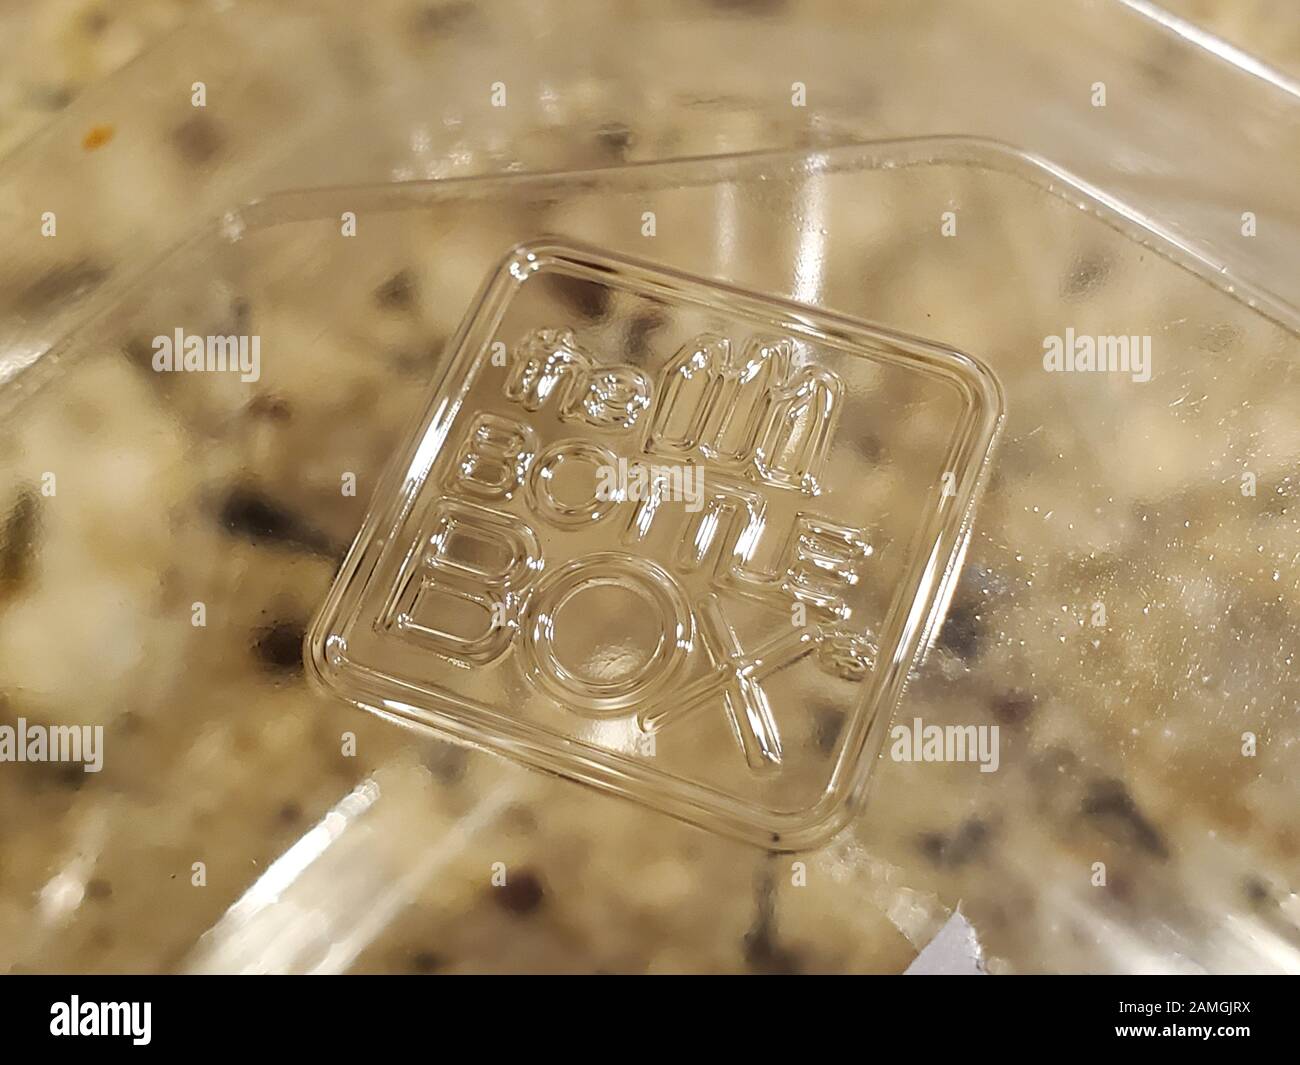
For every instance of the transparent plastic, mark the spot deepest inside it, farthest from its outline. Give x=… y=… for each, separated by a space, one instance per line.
x=657 y=539
x=335 y=840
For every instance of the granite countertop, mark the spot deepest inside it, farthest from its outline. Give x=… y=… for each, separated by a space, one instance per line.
x=245 y=821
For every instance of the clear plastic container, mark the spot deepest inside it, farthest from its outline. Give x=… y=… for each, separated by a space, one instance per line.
x=1121 y=602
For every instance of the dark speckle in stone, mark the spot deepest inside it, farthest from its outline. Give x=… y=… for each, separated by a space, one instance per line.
x=426 y=961
x=71 y=775
x=1087 y=274
x=50 y=97
x=272 y=408
x=868 y=446
x=198 y=139
x=139 y=353
x=640 y=333
x=1012 y=708
x=1257 y=892
x=966 y=844
x=962 y=630
x=241 y=316
x=615 y=138
x=521 y=894
x=128 y=723
x=1119 y=886
x=247 y=513
x=518 y=820
x=290 y=813
x=763 y=953
x=828 y=723
x=932 y=846
x=18 y=541
x=590 y=299
x=1108 y=803
x=279 y=646
x=447 y=762
x=398 y=292
x=61 y=284
x=415 y=362
x=440 y=18
x=98 y=889
x=96 y=21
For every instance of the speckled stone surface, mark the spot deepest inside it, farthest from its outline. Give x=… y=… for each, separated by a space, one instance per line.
x=426 y=857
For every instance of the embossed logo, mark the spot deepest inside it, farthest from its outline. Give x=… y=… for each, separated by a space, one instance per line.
x=759 y=586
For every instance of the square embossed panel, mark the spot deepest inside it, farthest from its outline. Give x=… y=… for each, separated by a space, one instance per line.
x=666 y=537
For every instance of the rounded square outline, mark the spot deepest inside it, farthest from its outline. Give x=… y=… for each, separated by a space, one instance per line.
x=906 y=633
